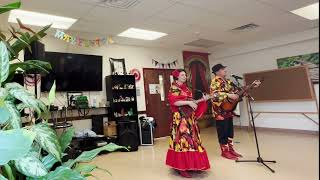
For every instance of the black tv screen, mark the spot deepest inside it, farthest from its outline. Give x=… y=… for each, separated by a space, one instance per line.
x=73 y=72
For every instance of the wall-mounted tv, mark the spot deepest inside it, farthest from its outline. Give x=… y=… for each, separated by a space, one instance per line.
x=73 y=72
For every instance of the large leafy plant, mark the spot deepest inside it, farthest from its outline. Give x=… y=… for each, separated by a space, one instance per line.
x=35 y=151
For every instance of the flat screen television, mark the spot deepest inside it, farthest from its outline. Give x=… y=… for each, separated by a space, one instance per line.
x=73 y=72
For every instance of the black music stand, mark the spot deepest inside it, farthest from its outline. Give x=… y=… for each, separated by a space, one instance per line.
x=259 y=158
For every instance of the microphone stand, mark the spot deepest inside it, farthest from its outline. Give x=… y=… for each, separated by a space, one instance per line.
x=259 y=158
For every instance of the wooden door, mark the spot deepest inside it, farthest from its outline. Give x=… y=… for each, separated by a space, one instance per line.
x=155 y=106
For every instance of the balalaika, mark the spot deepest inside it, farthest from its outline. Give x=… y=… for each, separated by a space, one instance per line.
x=187 y=110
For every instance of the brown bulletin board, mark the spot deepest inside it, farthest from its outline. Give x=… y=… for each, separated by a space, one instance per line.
x=289 y=84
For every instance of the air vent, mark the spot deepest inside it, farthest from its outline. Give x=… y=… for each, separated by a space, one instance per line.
x=120 y=4
x=204 y=43
x=246 y=27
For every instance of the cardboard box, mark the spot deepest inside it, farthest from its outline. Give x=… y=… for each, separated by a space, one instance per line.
x=110 y=129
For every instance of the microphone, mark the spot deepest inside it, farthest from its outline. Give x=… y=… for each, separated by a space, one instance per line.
x=236 y=77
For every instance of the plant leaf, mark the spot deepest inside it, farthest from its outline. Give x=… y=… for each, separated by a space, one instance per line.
x=87 y=156
x=65 y=138
x=2 y=177
x=15 y=118
x=63 y=173
x=10 y=7
x=4 y=62
x=69 y=163
x=85 y=168
x=4 y=115
x=48 y=161
x=27 y=66
x=4 y=112
x=88 y=175
x=14 y=34
x=18 y=91
x=21 y=106
x=52 y=93
x=30 y=65
x=18 y=46
x=31 y=166
x=13 y=54
x=15 y=144
x=47 y=139
x=8 y=170
x=22 y=26
x=105 y=171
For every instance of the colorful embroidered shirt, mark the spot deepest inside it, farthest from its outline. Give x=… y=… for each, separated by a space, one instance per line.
x=182 y=93
x=219 y=88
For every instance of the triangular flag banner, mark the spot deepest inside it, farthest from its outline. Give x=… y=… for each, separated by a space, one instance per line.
x=165 y=65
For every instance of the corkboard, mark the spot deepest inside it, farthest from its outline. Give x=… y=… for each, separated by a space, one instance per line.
x=289 y=84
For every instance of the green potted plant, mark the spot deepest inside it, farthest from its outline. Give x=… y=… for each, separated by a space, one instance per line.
x=35 y=151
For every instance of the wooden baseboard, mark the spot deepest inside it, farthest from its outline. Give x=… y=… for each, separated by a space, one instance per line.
x=298 y=131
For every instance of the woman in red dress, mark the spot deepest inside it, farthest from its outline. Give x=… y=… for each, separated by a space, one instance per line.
x=186 y=152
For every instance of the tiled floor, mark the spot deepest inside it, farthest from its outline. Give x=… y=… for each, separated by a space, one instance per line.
x=297 y=157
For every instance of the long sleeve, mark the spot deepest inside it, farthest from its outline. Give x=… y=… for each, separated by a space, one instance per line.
x=219 y=89
x=174 y=95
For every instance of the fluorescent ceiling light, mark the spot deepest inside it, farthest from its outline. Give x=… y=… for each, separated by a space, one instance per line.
x=40 y=19
x=142 y=34
x=310 y=12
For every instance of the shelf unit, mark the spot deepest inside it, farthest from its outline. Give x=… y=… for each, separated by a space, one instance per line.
x=123 y=102
x=121 y=93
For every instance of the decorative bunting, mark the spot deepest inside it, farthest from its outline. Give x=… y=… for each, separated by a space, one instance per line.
x=165 y=65
x=98 y=42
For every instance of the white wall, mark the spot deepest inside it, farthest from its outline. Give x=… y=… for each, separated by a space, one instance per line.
x=135 y=57
x=262 y=56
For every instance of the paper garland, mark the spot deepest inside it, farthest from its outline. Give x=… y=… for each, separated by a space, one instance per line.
x=165 y=65
x=98 y=42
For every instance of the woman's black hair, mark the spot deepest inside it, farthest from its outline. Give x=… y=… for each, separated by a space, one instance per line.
x=180 y=70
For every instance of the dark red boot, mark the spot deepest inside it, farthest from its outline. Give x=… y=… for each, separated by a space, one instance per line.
x=231 y=150
x=226 y=153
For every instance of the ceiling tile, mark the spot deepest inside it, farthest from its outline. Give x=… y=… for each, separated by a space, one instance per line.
x=66 y=8
x=183 y=14
x=161 y=25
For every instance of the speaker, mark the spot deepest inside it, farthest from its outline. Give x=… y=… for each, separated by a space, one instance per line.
x=128 y=134
x=97 y=124
x=38 y=53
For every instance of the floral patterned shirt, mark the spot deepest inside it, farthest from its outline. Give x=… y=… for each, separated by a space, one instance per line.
x=219 y=88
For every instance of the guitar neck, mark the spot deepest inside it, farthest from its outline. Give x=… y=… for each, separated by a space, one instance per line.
x=245 y=89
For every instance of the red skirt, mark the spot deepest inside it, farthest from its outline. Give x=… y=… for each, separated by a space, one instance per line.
x=185 y=147
x=189 y=160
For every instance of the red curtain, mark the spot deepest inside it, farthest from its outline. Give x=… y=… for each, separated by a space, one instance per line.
x=198 y=64
x=200 y=70
x=193 y=70
x=202 y=74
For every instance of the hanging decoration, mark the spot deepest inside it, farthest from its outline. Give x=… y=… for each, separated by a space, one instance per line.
x=98 y=42
x=136 y=73
x=165 y=65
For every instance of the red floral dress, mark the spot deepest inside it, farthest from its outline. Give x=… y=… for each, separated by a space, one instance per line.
x=185 y=148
